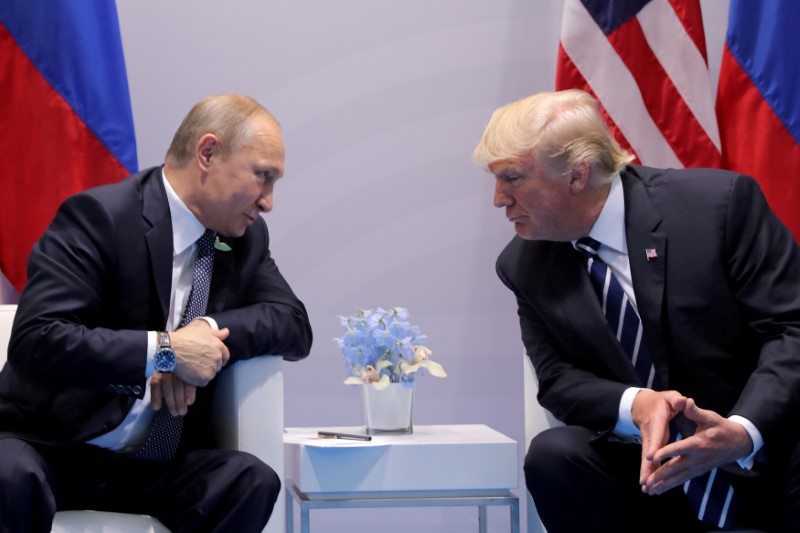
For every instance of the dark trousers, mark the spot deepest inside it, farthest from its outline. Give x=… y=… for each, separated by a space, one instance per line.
x=202 y=490
x=581 y=484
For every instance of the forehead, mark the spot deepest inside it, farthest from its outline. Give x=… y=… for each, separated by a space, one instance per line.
x=266 y=145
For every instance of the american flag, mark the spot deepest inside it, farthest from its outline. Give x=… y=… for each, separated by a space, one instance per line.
x=645 y=61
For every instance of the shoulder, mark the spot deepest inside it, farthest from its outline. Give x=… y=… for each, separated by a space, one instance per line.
x=690 y=188
x=523 y=262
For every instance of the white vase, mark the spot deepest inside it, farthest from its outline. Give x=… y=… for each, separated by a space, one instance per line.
x=388 y=411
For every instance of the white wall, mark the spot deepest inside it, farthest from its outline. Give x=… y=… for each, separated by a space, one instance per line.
x=381 y=103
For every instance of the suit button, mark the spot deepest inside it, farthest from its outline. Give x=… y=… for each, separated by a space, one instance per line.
x=119 y=389
x=637 y=439
x=128 y=390
x=137 y=390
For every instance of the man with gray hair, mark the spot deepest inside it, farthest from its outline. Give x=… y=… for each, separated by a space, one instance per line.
x=139 y=293
x=661 y=311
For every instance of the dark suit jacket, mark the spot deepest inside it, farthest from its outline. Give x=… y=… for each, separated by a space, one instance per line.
x=98 y=280
x=720 y=305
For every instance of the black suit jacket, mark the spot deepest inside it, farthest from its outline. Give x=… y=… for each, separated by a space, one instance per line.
x=98 y=280
x=720 y=305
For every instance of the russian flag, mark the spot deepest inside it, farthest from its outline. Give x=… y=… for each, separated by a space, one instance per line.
x=65 y=116
x=758 y=101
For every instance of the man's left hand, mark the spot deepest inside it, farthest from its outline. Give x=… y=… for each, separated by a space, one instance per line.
x=717 y=441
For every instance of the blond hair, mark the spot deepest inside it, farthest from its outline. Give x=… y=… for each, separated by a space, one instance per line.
x=560 y=129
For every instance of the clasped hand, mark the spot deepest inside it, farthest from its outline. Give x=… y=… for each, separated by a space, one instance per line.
x=716 y=441
x=200 y=354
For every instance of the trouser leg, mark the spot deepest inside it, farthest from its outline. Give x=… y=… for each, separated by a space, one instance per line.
x=27 y=501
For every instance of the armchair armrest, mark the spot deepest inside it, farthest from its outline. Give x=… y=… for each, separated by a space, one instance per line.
x=248 y=416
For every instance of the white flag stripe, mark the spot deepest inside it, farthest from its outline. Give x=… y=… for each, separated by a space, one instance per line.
x=683 y=62
x=614 y=85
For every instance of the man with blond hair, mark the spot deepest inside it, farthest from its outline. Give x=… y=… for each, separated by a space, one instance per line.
x=139 y=294
x=661 y=311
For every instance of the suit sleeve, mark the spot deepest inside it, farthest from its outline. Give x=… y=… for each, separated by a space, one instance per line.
x=764 y=266
x=50 y=342
x=573 y=384
x=267 y=318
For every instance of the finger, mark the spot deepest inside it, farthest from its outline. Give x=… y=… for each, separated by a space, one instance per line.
x=190 y=393
x=178 y=395
x=167 y=390
x=155 y=392
x=221 y=334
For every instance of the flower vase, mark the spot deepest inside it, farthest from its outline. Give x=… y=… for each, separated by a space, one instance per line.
x=388 y=411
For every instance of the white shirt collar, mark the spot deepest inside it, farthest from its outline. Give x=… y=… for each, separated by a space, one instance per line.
x=609 y=228
x=186 y=229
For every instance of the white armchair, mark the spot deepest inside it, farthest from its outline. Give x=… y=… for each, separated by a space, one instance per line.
x=537 y=419
x=249 y=410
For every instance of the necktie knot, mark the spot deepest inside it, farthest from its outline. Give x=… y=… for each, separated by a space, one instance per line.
x=205 y=244
x=588 y=247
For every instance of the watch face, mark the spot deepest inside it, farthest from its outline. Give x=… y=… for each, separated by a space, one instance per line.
x=165 y=360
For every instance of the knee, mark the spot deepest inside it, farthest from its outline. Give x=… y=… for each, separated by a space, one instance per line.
x=550 y=450
x=258 y=479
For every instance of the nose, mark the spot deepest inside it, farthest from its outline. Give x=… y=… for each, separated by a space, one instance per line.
x=264 y=201
x=501 y=196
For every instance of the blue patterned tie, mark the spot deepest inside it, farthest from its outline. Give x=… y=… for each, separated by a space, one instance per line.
x=165 y=435
x=710 y=494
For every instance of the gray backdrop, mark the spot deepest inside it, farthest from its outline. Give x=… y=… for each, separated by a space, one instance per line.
x=381 y=104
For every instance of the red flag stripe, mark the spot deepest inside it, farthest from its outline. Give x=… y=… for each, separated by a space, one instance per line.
x=569 y=77
x=679 y=55
x=613 y=85
x=691 y=17
x=662 y=99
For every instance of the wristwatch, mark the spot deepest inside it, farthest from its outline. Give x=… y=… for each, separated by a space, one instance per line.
x=165 y=356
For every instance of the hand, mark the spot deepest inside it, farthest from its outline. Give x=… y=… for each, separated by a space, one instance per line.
x=652 y=412
x=717 y=441
x=177 y=394
x=200 y=352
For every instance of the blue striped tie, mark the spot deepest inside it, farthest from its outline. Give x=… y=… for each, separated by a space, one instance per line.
x=710 y=494
x=619 y=312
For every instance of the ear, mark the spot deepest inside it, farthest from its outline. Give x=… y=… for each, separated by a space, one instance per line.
x=579 y=177
x=207 y=147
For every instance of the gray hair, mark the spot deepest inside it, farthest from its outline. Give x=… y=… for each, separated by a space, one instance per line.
x=225 y=115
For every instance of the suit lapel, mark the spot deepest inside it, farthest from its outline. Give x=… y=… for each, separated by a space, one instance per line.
x=647 y=273
x=155 y=210
x=574 y=301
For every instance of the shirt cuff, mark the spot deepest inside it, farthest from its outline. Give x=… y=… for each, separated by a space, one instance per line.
x=152 y=342
x=211 y=322
x=755 y=436
x=625 y=429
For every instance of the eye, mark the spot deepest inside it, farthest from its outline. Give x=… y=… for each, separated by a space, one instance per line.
x=513 y=179
x=264 y=176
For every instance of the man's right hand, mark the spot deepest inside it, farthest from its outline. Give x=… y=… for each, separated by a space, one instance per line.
x=652 y=412
x=200 y=352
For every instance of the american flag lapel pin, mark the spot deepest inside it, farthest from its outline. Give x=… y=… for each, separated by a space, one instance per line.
x=650 y=253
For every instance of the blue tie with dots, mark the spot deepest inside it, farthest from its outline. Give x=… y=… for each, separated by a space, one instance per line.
x=710 y=494
x=165 y=435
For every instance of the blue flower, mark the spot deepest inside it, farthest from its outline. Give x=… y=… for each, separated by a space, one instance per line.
x=381 y=347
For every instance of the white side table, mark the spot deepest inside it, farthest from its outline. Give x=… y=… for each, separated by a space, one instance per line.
x=436 y=466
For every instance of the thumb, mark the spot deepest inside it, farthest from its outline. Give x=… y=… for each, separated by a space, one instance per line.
x=222 y=334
